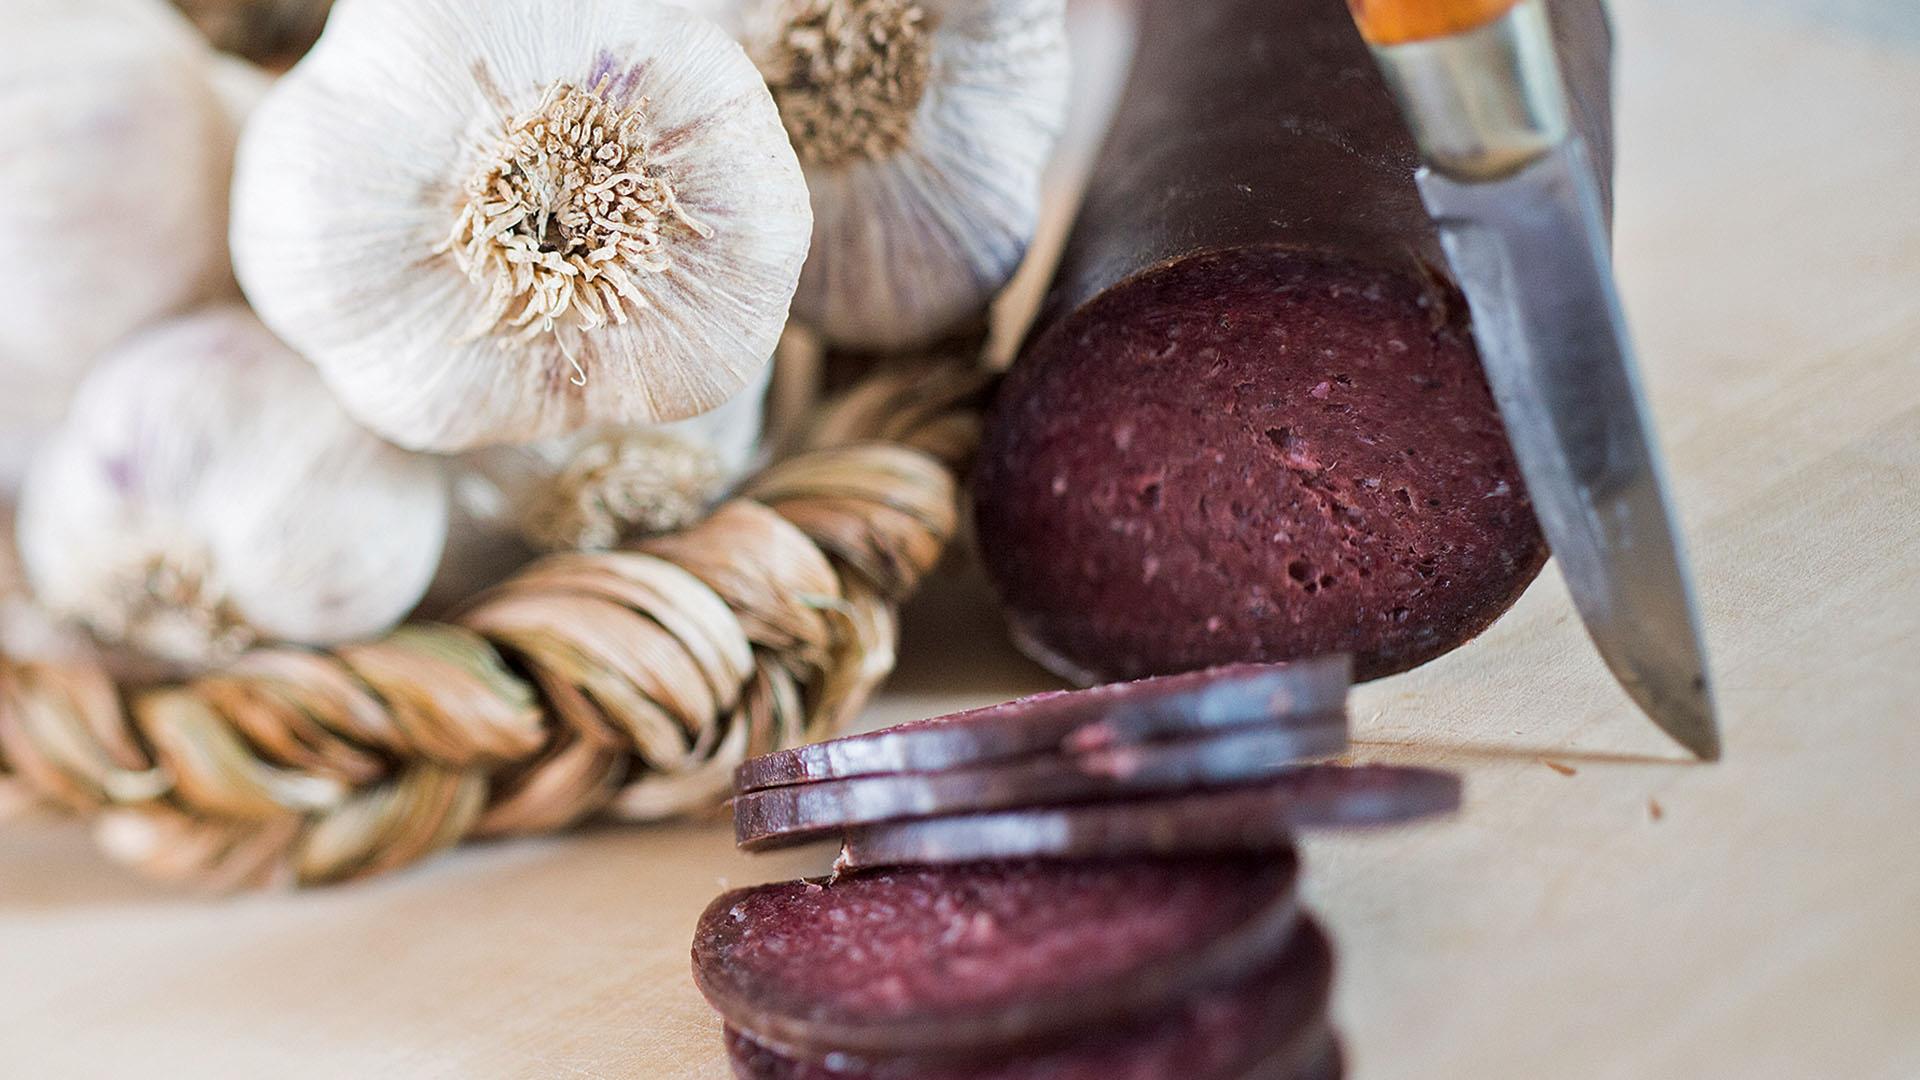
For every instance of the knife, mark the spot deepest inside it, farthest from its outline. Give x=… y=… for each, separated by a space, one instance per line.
x=1516 y=200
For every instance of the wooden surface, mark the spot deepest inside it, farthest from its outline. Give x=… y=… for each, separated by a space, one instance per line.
x=1602 y=909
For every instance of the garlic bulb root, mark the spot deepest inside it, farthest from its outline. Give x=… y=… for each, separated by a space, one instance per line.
x=641 y=480
x=565 y=214
x=168 y=604
x=205 y=492
x=847 y=77
x=606 y=485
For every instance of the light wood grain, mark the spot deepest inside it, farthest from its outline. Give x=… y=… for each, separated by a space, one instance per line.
x=1766 y=924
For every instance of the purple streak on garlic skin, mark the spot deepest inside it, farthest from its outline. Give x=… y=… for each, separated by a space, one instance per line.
x=122 y=474
x=621 y=79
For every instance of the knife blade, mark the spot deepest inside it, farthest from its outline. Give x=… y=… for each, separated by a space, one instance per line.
x=1517 y=204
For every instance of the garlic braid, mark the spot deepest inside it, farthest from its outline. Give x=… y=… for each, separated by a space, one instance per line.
x=623 y=684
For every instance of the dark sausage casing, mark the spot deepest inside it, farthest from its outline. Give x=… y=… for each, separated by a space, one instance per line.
x=1250 y=423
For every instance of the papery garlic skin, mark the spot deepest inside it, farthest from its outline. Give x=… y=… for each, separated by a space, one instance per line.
x=598 y=487
x=113 y=176
x=921 y=217
x=390 y=195
x=206 y=492
x=1102 y=35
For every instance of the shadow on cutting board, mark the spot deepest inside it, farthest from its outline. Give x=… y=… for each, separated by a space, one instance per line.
x=953 y=643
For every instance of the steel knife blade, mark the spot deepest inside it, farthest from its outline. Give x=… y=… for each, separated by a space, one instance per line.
x=1517 y=204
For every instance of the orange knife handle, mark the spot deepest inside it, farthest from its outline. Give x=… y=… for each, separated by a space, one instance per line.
x=1396 y=22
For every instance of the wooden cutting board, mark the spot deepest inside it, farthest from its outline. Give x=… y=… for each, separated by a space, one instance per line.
x=1601 y=909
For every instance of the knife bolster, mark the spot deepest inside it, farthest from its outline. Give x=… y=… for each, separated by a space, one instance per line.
x=1484 y=103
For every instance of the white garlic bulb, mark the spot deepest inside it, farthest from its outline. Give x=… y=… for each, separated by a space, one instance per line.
x=923 y=127
x=492 y=223
x=205 y=491
x=594 y=488
x=114 y=172
x=1102 y=35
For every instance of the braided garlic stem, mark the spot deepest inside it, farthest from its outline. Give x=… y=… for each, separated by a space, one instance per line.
x=625 y=683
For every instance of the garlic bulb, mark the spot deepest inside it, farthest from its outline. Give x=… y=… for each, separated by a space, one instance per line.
x=1102 y=35
x=602 y=485
x=205 y=491
x=923 y=127
x=492 y=223
x=113 y=174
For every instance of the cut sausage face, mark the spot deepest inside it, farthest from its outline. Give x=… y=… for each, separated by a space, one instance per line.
x=967 y=960
x=1268 y=1026
x=1250 y=422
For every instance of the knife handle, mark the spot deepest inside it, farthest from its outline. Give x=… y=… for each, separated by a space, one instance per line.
x=1396 y=22
x=1477 y=80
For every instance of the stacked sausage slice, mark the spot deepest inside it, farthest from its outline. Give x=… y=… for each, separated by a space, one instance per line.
x=1098 y=884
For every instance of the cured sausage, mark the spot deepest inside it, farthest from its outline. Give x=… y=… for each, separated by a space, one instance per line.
x=1251 y=423
x=799 y=813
